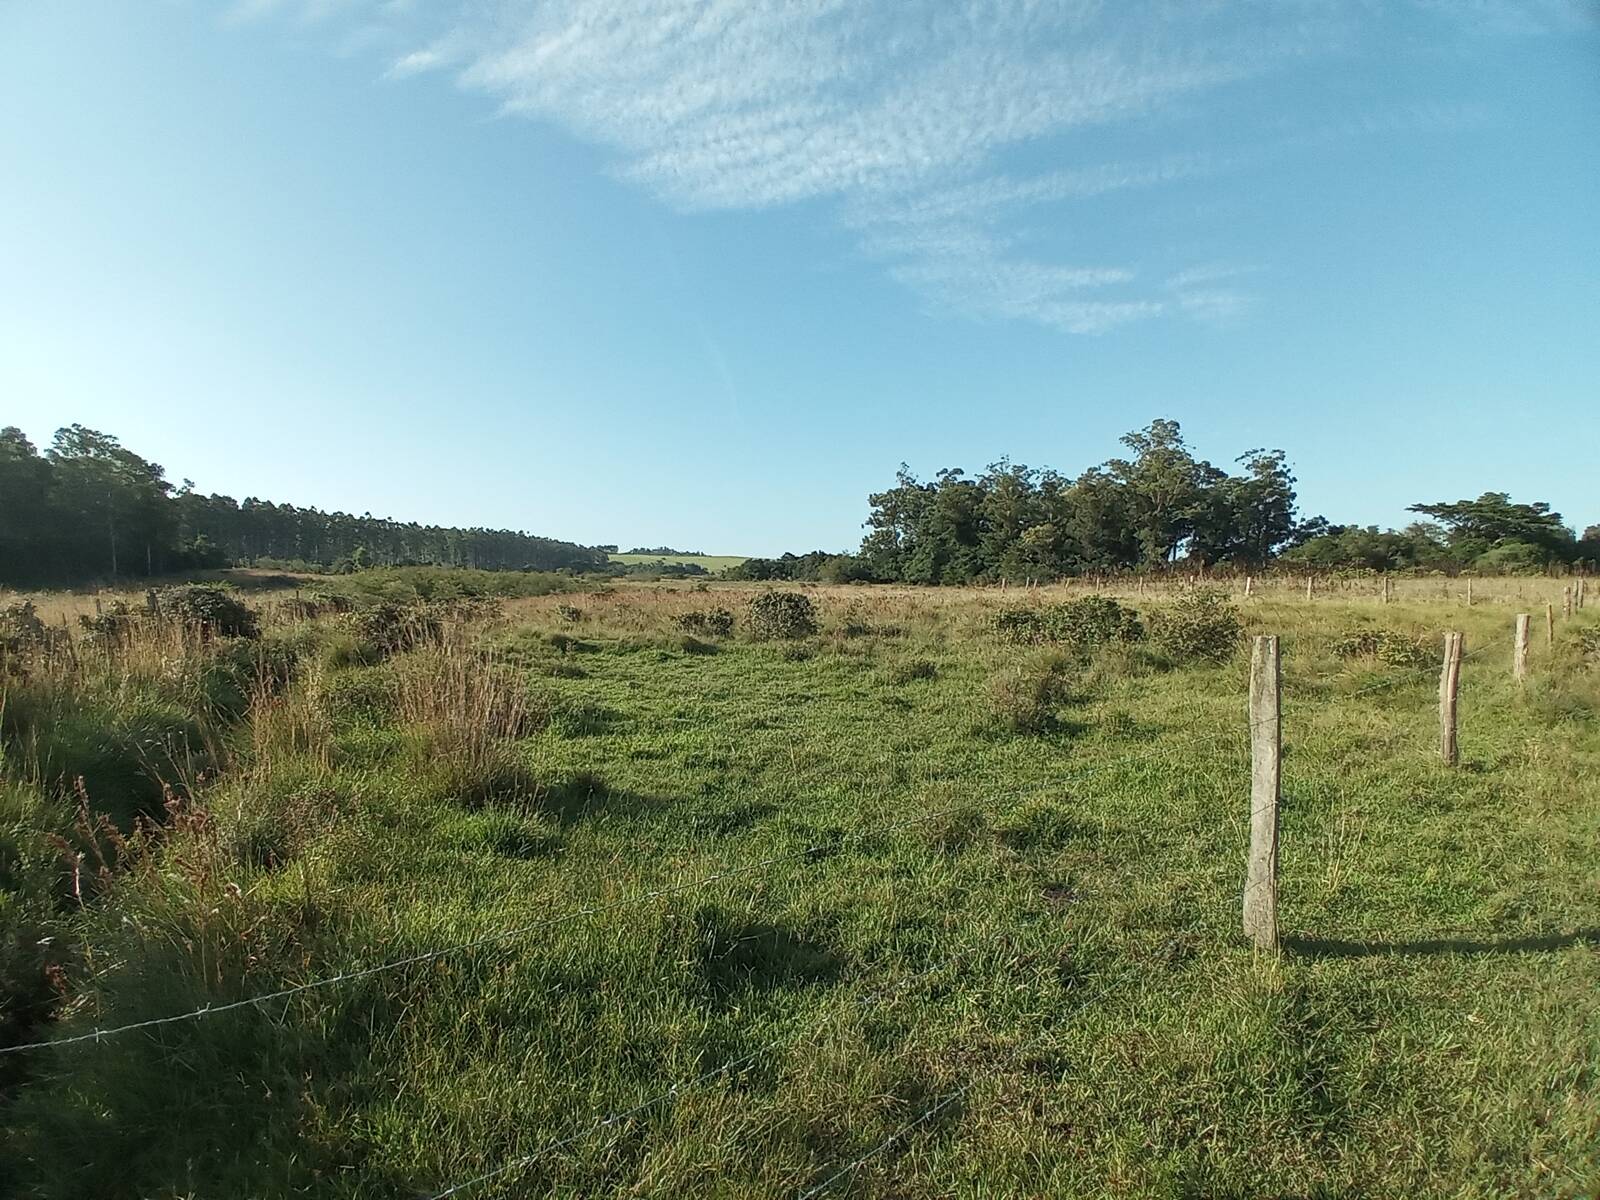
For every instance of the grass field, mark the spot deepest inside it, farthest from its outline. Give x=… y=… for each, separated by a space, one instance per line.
x=897 y=909
x=711 y=562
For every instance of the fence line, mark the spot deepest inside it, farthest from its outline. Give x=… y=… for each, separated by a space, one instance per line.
x=98 y=1034
x=808 y=852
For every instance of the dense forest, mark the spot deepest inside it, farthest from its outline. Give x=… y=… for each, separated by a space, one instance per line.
x=90 y=508
x=1156 y=507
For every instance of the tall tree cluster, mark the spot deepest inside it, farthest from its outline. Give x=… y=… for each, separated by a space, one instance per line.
x=89 y=508
x=1151 y=507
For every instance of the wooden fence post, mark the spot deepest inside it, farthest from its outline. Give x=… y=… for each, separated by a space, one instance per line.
x=1249 y=585
x=1549 y=624
x=1578 y=592
x=1310 y=580
x=1519 y=649
x=1386 y=589
x=1566 y=601
x=1266 y=732
x=1449 y=688
x=1469 y=591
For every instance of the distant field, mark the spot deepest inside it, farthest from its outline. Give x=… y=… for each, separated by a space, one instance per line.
x=711 y=562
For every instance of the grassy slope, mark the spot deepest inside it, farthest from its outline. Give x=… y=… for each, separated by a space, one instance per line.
x=711 y=562
x=1062 y=944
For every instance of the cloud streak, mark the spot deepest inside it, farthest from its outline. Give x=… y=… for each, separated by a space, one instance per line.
x=906 y=122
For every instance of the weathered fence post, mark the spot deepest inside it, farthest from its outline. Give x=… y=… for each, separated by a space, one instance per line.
x=1519 y=649
x=1469 y=591
x=1249 y=585
x=1266 y=732
x=1386 y=589
x=1578 y=592
x=1566 y=601
x=1310 y=580
x=1449 y=687
x=1549 y=624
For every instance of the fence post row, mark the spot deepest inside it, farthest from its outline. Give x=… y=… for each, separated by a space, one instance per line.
x=1266 y=733
x=1449 y=687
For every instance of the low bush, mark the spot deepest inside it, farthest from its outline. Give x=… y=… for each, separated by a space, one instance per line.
x=214 y=611
x=1588 y=642
x=776 y=616
x=1201 y=626
x=390 y=628
x=1388 y=646
x=570 y=613
x=715 y=622
x=1025 y=697
x=1084 y=623
x=23 y=635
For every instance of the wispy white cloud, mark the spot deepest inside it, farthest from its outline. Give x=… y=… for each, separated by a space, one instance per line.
x=905 y=121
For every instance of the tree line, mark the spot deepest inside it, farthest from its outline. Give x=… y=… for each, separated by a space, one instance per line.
x=1156 y=507
x=88 y=508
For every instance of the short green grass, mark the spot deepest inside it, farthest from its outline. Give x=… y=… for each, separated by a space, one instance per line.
x=986 y=963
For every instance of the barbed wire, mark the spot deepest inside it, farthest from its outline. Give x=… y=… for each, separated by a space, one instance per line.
x=894 y=1137
x=505 y=935
x=99 y=1034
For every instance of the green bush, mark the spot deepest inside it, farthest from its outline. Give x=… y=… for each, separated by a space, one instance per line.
x=1025 y=697
x=391 y=628
x=1387 y=646
x=24 y=634
x=212 y=610
x=781 y=615
x=1084 y=623
x=1201 y=626
x=1588 y=641
x=716 y=622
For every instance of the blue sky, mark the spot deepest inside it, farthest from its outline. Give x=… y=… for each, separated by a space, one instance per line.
x=657 y=272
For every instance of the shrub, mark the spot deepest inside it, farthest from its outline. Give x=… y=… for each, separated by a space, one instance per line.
x=1201 y=626
x=570 y=613
x=781 y=615
x=716 y=622
x=1083 y=623
x=392 y=628
x=1023 y=698
x=1387 y=646
x=24 y=634
x=1589 y=645
x=112 y=627
x=212 y=610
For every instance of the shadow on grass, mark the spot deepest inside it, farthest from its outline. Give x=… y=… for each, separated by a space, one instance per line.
x=586 y=794
x=1314 y=947
x=738 y=953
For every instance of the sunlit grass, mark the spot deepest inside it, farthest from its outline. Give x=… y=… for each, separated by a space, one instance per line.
x=935 y=902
